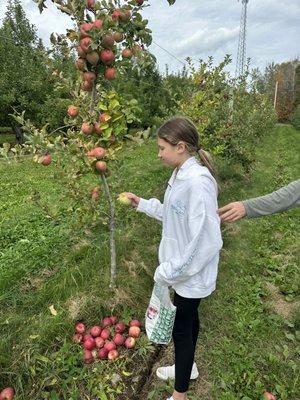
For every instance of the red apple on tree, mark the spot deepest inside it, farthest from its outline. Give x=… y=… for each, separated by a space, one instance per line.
x=89 y=76
x=85 y=43
x=110 y=73
x=86 y=86
x=126 y=53
x=118 y=36
x=107 y=56
x=81 y=53
x=80 y=64
x=90 y=4
x=139 y=2
x=99 y=152
x=87 y=128
x=98 y=23
x=116 y=15
x=104 y=117
x=108 y=40
x=73 y=111
x=7 y=393
x=93 y=57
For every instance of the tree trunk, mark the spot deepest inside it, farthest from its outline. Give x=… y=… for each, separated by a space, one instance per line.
x=112 y=229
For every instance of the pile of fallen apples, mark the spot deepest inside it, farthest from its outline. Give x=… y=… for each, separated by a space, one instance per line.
x=104 y=341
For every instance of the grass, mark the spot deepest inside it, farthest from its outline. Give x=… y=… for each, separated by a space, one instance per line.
x=245 y=346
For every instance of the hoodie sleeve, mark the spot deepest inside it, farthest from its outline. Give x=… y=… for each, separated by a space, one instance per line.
x=205 y=244
x=152 y=207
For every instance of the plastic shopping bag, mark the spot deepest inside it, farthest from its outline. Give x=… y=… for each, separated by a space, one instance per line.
x=160 y=315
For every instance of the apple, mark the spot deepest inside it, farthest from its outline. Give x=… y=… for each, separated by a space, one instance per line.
x=88 y=356
x=101 y=166
x=96 y=330
x=139 y=2
x=113 y=355
x=268 y=396
x=110 y=73
x=98 y=152
x=125 y=15
x=105 y=334
x=110 y=346
x=87 y=128
x=126 y=53
x=46 y=159
x=99 y=341
x=85 y=43
x=77 y=338
x=116 y=14
x=129 y=342
x=119 y=339
x=113 y=319
x=89 y=344
x=106 y=322
x=108 y=40
x=80 y=328
x=86 y=86
x=80 y=64
x=107 y=56
x=90 y=4
x=97 y=128
x=102 y=354
x=134 y=322
x=89 y=76
x=7 y=393
x=136 y=48
x=123 y=199
x=118 y=36
x=81 y=53
x=73 y=111
x=93 y=58
x=104 y=117
x=98 y=23
x=120 y=327
x=85 y=28
x=134 y=331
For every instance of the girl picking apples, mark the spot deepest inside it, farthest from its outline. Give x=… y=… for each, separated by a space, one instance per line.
x=191 y=239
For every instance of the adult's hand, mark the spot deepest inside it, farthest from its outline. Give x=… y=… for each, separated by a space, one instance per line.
x=232 y=212
x=134 y=200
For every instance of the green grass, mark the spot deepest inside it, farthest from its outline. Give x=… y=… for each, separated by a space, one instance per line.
x=244 y=347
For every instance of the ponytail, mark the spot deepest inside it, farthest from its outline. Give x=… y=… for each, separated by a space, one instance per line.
x=207 y=161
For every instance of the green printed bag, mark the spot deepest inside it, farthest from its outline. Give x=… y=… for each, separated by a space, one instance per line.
x=160 y=315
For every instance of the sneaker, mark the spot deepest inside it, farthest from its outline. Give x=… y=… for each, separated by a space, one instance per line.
x=168 y=372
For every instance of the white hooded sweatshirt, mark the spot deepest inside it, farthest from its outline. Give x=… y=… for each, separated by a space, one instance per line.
x=191 y=236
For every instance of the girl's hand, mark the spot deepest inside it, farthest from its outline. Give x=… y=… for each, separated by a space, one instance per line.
x=134 y=200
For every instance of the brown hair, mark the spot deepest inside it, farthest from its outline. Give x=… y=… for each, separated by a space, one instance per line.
x=182 y=129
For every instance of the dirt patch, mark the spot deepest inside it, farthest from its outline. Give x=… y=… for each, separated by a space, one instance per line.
x=37 y=282
x=282 y=307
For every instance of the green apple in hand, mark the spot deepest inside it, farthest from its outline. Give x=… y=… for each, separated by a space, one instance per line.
x=123 y=199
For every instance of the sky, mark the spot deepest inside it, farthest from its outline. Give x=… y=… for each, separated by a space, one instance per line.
x=201 y=28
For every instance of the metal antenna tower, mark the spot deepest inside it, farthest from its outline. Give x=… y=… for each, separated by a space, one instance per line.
x=241 y=54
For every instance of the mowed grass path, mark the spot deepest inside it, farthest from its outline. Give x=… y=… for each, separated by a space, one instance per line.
x=245 y=346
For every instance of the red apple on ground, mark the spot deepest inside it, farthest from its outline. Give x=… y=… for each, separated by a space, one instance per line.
x=73 y=111
x=99 y=152
x=89 y=344
x=87 y=128
x=7 y=393
x=110 y=346
x=46 y=159
x=113 y=355
x=113 y=319
x=135 y=322
x=93 y=57
x=268 y=396
x=87 y=336
x=77 y=338
x=99 y=341
x=110 y=74
x=129 y=343
x=95 y=330
x=134 y=331
x=101 y=166
x=120 y=327
x=102 y=354
x=126 y=53
x=106 y=322
x=119 y=339
x=88 y=356
x=107 y=56
x=105 y=334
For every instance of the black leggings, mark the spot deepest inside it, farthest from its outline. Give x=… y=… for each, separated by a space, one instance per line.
x=185 y=334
